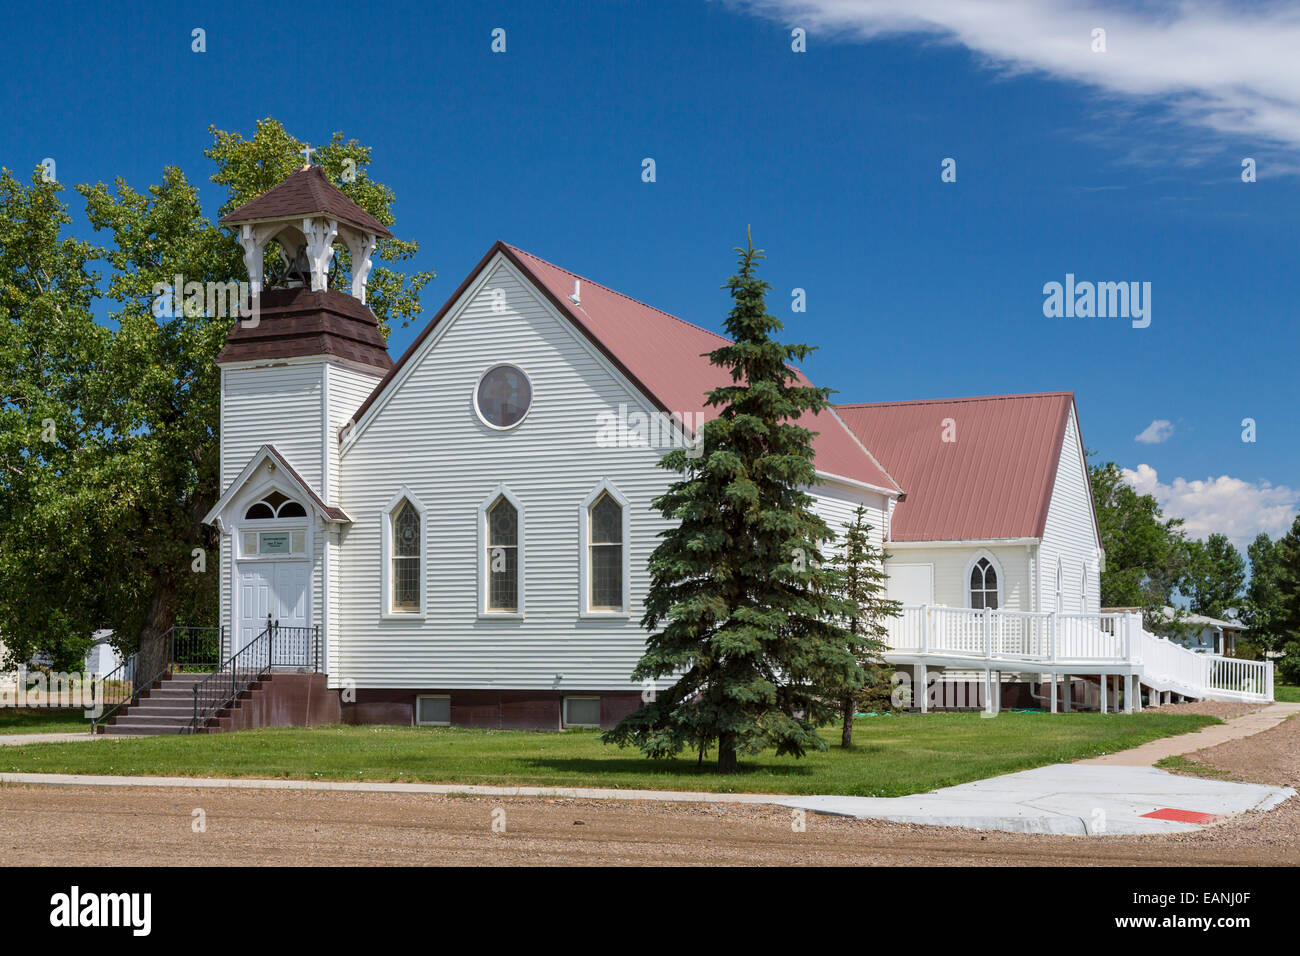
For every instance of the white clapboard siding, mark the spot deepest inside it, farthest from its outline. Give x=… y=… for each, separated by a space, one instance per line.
x=425 y=436
x=224 y=589
x=951 y=571
x=835 y=503
x=278 y=405
x=1070 y=533
x=346 y=387
x=298 y=406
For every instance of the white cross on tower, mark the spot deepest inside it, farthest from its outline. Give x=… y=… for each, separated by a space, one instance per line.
x=306 y=155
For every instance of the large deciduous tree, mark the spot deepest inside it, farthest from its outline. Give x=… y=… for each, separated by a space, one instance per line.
x=1146 y=554
x=100 y=514
x=739 y=604
x=1216 y=575
x=52 y=480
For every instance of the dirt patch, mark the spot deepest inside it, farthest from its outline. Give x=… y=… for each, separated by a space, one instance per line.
x=1212 y=708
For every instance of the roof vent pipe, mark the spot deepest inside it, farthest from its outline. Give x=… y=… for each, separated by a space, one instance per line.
x=576 y=298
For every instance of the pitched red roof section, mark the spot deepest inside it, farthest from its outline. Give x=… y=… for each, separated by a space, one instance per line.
x=306 y=192
x=664 y=356
x=668 y=357
x=994 y=481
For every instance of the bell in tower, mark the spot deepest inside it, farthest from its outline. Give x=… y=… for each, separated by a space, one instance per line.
x=306 y=215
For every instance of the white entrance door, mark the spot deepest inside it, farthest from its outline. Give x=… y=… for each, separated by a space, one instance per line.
x=275 y=588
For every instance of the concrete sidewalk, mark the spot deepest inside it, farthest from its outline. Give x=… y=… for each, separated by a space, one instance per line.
x=1149 y=754
x=14 y=740
x=1065 y=798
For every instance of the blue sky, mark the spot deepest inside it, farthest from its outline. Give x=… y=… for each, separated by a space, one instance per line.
x=1119 y=169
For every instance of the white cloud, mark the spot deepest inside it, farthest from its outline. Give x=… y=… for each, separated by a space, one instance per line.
x=1239 y=509
x=1229 y=68
x=1158 y=431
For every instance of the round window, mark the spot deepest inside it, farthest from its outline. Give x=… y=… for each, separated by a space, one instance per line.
x=503 y=396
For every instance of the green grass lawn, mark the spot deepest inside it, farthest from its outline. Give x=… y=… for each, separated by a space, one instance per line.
x=42 y=720
x=891 y=756
x=1286 y=692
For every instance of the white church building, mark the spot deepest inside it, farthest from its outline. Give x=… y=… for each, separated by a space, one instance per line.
x=461 y=535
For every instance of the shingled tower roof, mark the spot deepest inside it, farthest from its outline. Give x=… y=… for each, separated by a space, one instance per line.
x=306 y=193
x=307 y=215
x=300 y=322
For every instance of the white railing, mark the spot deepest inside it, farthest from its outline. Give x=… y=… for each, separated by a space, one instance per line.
x=1043 y=637
x=1251 y=679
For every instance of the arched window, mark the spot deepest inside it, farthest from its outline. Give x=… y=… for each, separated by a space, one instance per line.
x=503 y=556
x=275 y=505
x=406 y=558
x=983 y=585
x=1060 y=587
x=1083 y=590
x=606 y=554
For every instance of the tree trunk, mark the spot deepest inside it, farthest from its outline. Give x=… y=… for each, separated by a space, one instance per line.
x=727 y=754
x=846 y=735
x=153 y=647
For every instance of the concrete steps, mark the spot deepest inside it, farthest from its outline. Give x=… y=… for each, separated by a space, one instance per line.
x=166 y=708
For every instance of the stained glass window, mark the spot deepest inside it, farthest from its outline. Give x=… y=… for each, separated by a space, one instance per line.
x=606 y=554
x=503 y=556
x=406 y=558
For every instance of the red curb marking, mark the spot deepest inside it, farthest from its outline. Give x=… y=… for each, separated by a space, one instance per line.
x=1182 y=816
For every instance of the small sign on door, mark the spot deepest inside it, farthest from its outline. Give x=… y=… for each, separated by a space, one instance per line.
x=273 y=542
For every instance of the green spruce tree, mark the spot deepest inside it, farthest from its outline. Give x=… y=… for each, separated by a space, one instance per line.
x=739 y=604
x=861 y=582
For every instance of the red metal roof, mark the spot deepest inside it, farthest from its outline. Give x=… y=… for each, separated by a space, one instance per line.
x=662 y=355
x=994 y=481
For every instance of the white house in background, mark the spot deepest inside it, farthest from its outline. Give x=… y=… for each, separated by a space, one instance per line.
x=464 y=533
x=102 y=658
x=1198 y=632
x=1207 y=635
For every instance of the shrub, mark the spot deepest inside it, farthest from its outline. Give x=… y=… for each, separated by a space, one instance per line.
x=1289 y=666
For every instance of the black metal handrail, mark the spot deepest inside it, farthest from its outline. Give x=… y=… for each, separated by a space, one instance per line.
x=184 y=647
x=118 y=688
x=250 y=663
x=275 y=646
